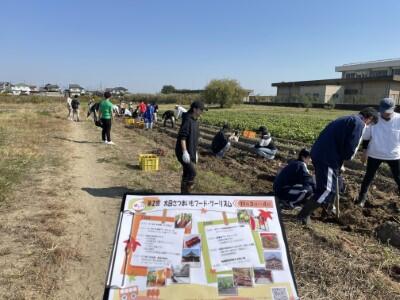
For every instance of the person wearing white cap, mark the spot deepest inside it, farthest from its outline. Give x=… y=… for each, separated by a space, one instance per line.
x=381 y=143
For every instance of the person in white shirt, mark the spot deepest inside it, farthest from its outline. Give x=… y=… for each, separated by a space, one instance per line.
x=179 y=110
x=381 y=143
x=265 y=147
x=69 y=106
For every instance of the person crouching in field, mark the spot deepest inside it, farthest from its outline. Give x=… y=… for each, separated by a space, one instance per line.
x=106 y=115
x=294 y=185
x=265 y=147
x=169 y=115
x=148 y=116
x=75 y=108
x=186 y=145
x=221 y=143
x=338 y=142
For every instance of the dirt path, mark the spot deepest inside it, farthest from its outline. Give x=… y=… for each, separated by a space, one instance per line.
x=99 y=176
x=98 y=206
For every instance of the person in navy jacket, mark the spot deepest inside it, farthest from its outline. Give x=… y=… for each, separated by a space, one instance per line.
x=338 y=142
x=294 y=183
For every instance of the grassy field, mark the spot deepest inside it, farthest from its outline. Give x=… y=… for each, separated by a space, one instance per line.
x=285 y=122
x=31 y=228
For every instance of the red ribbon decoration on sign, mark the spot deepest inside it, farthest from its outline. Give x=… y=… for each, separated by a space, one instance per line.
x=132 y=244
x=265 y=214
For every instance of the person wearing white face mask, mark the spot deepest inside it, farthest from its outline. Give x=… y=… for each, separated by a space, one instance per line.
x=186 y=145
x=381 y=143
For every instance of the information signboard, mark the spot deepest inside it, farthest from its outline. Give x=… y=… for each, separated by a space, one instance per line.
x=200 y=247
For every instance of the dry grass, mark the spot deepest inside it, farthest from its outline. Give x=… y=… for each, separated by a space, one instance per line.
x=332 y=264
x=34 y=249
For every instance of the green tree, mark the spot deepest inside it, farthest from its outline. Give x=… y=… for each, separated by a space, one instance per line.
x=168 y=89
x=225 y=92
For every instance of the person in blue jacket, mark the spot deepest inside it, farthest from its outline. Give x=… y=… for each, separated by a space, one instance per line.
x=338 y=142
x=294 y=184
x=149 y=116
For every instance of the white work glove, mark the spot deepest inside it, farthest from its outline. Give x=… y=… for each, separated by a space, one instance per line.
x=186 y=157
x=197 y=157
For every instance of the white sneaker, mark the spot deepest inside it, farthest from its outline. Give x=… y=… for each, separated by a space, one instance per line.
x=110 y=143
x=105 y=142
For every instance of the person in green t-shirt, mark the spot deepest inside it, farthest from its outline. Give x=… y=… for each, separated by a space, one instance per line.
x=106 y=115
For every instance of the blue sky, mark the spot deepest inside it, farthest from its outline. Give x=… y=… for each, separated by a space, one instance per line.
x=145 y=44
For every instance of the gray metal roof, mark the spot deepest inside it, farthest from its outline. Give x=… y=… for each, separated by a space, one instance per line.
x=377 y=64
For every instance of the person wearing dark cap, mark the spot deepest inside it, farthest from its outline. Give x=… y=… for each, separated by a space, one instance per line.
x=265 y=147
x=220 y=143
x=338 y=142
x=186 y=145
x=381 y=143
x=293 y=185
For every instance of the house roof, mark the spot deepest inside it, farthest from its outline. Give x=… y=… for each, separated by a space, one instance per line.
x=52 y=86
x=338 y=81
x=22 y=85
x=75 y=86
x=191 y=254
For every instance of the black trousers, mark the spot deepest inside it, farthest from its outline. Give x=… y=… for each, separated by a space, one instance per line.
x=106 y=132
x=189 y=172
x=172 y=120
x=373 y=165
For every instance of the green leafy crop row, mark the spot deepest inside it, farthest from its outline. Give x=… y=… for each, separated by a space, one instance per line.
x=291 y=123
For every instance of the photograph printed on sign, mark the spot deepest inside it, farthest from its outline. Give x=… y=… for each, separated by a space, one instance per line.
x=244 y=215
x=191 y=257
x=243 y=277
x=269 y=240
x=192 y=241
x=180 y=274
x=183 y=220
x=273 y=260
x=262 y=276
x=156 y=277
x=226 y=286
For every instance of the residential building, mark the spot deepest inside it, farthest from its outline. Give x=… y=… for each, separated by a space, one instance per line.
x=52 y=88
x=5 y=87
x=117 y=91
x=20 y=89
x=360 y=83
x=75 y=89
x=34 y=89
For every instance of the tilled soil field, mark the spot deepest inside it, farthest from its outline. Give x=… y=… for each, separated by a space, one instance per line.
x=248 y=169
x=335 y=259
